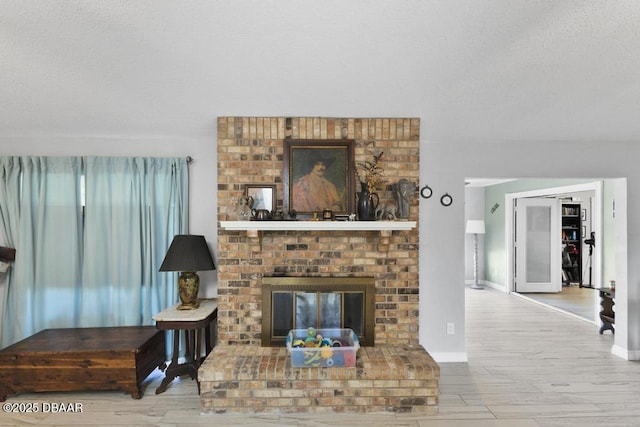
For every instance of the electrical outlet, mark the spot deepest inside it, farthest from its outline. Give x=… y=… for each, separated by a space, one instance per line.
x=451 y=328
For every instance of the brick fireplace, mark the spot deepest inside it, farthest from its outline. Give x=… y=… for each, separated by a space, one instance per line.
x=250 y=151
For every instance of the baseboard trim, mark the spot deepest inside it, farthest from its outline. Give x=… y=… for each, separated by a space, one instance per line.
x=446 y=357
x=487 y=284
x=551 y=307
x=625 y=354
x=496 y=286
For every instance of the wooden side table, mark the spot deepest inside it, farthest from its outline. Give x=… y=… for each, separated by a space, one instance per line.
x=193 y=323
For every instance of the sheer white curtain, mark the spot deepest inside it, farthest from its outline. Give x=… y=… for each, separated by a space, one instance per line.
x=43 y=287
x=95 y=265
x=10 y=178
x=134 y=207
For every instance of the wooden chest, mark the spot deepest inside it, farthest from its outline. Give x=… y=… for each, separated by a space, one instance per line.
x=78 y=359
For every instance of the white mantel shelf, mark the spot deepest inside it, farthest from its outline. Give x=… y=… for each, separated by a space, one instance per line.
x=318 y=225
x=255 y=229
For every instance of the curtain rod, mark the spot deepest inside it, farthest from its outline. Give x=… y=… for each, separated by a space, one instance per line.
x=189 y=158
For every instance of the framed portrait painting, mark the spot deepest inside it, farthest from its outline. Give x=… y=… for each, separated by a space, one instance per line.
x=319 y=175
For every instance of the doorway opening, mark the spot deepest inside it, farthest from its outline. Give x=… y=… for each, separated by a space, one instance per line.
x=494 y=201
x=577 y=266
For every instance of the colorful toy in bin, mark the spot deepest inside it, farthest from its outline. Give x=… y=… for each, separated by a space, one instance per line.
x=310 y=339
x=331 y=347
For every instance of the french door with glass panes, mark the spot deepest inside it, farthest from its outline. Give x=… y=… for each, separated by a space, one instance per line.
x=537 y=245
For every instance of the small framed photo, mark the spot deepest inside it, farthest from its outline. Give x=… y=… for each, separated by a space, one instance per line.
x=583 y=214
x=263 y=195
x=319 y=175
x=583 y=230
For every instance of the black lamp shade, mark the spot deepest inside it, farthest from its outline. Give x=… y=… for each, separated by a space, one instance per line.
x=188 y=253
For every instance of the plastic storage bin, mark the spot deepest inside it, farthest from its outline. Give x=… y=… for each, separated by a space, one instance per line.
x=337 y=347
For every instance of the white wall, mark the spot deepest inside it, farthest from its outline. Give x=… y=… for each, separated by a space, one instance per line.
x=442 y=270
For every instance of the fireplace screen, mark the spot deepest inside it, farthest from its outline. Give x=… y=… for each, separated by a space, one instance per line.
x=303 y=302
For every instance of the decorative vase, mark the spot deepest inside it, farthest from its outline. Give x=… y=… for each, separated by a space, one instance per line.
x=188 y=286
x=367 y=204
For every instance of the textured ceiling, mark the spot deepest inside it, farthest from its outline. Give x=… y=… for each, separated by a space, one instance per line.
x=509 y=70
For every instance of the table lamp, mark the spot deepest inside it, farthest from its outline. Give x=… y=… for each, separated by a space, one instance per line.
x=188 y=254
x=475 y=227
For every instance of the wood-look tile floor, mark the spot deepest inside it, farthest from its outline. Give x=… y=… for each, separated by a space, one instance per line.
x=582 y=302
x=528 y=366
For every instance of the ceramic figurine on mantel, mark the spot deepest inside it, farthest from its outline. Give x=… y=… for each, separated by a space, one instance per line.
x=371 y=178
x=402 y=190
x=243 y=212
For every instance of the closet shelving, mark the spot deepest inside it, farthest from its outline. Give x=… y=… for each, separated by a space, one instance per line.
x=571 y=247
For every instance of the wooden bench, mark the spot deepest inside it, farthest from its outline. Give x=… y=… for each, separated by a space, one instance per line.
x=77 y=359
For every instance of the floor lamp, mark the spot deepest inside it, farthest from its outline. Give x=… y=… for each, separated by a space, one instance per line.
x=475 y=227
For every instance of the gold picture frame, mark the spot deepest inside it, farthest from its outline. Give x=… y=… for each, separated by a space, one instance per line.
x=319 y=175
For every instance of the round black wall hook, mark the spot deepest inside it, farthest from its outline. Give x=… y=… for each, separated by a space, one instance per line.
x=446 y=199
x=426 y=192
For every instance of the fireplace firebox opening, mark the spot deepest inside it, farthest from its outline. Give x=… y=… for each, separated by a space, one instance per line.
x=318 y=302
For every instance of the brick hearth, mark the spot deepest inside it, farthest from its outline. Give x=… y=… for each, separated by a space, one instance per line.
x=386 y=378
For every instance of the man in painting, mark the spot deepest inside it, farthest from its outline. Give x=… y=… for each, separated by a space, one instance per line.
x=313 y=192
